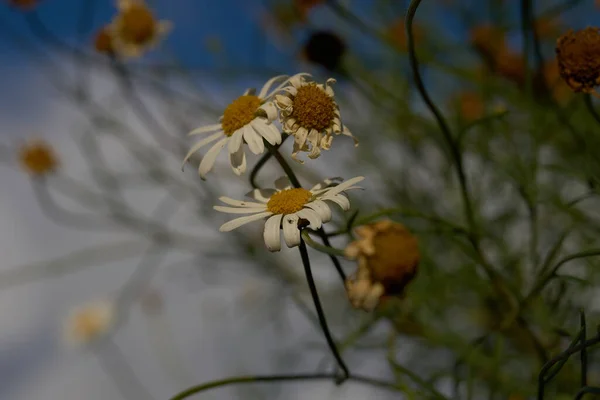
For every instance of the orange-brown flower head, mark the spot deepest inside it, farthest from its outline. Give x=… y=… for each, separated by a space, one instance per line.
x=470 y=106
x=552 y=79
x=303 y=7
x=578 y=55
x=37 y=158
x=511 y=65
x=23 y=4
x=388 y=257
x=103 y=42
x=397 y=33
x=488 y=40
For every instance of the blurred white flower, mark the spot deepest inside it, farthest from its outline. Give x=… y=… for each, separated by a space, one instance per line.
x=88 y=322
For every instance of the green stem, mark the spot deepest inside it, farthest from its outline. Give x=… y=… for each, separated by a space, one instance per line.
x=279 y=378
x=319 y=247
x=321 y=314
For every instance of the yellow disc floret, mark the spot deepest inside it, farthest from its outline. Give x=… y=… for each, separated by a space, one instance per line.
x=288 y=201
x=313 y=108
x=38 y=158
x=239 y=113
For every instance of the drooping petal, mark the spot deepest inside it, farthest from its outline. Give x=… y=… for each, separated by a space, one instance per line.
x=238 y=161
x=254 y=140
x=267 y=86
x=240 y=210
x=271 y=111
x=291 y=233
x=340 y=200
x=325 y=184
x=271 y=135
x=271 y=233
x=311 y=216
x=205 y=129
x=236 y=223
x=344 y=185
x=235 y=141
x=321 y=208
x=262 y=195
x=211 y=156
x=199 y=145
x=239 y=203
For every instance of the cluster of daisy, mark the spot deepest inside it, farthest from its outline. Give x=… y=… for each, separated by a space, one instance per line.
x=299 y=107
x=132 y=31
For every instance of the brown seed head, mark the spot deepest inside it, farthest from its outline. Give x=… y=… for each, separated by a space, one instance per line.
x=37 y=158
x=313 y=108
x=578 y=55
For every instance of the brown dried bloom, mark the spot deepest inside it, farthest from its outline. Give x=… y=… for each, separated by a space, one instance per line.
x=470 y=106
x=23 y=4
x=511 y=65
x=135 y=29
x=388 y=257
x=103 y=42
x=37 y=158
x=578 y=55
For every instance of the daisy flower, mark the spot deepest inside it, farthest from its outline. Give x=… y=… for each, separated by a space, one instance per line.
x=88 y=322
x=287 y=207
x=135 y=29
x=248 y=119
x=310 y=113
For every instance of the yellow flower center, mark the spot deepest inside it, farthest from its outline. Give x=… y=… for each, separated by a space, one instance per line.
x=313 y=108
x=288 y=201
x=239 y=113
x=137 y=24
x=38 y=159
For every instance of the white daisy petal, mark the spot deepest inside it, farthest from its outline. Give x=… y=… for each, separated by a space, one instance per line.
x=311 y=216
x=254 y=140
x=321 y=208
x=298 y=79
x=344 y=185
x=264 y=129
x=240 y=210
x=270 y=109
x=325 y=184
x=265 y=89
x=340 y=200
x=235 y=141
x=271 y=233
x=236 y=223
x=199 y=145
x=300 y=136
x=291 y=233
x=283 y=183
x=205 y=129
x=283 y=101
x=262 y=195
x=238 y=161
x=211 y=156
x=239 y=203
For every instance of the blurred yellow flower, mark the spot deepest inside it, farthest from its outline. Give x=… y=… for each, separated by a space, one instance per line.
x=578 y=56
x=37 y=158
x=103 y=42
x=135 y=29
x=88 y=322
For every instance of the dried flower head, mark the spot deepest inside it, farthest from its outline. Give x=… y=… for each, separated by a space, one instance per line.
x=325 y=49
x=89 y=322
x=37 y=158
x=135 y=29
x=388 y=257
x=510 y=65
x=103 y=42
x=310 y=113
x=578 y=55
x=23 y=4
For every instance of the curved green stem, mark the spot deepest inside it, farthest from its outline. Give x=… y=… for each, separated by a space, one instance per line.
x=279 y=378
x=319 y=247
x=320 y=313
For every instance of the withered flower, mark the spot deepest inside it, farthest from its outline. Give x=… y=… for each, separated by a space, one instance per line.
x=578 y=56
x=388 y=258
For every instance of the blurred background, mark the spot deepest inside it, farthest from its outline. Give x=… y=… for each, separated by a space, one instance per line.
x=117 y=222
